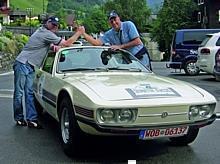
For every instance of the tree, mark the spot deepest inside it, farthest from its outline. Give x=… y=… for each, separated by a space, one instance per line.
x=94 y=13
x=96 y=20
x=175 y=14
x=88 y=13
x=134 y=10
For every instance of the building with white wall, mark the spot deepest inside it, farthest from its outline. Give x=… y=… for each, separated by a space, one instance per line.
x=4 y=12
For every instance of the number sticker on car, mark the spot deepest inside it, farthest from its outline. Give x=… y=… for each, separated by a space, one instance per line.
x=166 y=132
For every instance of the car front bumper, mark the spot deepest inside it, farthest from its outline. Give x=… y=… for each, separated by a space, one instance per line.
x=215 y=71
x=134 y=130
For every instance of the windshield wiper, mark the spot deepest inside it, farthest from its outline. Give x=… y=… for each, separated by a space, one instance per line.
x=125 y=69
x=101 y=69
x=135 y=70
x=78 y=69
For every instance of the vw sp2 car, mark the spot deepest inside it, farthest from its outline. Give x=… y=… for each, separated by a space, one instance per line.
x=97 y=91
x=184 y=49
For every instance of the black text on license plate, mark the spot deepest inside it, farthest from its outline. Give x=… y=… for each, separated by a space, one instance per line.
x=166 y=132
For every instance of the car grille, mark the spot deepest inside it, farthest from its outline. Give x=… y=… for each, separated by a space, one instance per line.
x=162 y=115
x=84 y=112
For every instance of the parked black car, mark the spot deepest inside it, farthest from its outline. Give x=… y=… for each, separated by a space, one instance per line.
x=184 y=49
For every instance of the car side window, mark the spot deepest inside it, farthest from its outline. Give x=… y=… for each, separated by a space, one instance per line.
x=218 y=42
x=48 y=63
x=194 y=37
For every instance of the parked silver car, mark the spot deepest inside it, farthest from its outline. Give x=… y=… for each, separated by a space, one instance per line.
x=207 y=51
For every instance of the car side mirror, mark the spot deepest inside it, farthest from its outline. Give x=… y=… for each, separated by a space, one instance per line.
x=62 y=58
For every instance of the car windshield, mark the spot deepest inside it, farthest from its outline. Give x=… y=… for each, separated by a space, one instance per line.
x=97 y=59
x=208 y=37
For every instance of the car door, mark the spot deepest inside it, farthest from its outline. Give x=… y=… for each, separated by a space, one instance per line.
x=46 y=84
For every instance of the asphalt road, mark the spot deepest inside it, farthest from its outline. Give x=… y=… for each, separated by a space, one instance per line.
x=20 y=145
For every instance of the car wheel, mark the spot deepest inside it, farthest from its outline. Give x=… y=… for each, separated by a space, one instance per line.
x=38 y=107
x=186 y=139
x=69 y=129
x=191 y=69
x=217 y=78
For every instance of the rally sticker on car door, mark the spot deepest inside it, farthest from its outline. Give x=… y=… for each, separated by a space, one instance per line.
x=146 y=90
x=41 y=85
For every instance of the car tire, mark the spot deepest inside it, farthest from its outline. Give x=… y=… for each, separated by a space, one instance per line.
x=69 y=128
x=190 y=68
x=38 y=107
x=186 y=139
x=217 y=78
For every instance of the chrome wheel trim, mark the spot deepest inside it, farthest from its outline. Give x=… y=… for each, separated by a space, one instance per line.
x=65 y=125
x=192 y=68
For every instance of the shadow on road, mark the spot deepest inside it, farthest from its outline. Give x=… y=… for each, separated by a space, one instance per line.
x=96 y=149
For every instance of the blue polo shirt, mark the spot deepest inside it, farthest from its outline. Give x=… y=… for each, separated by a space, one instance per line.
x=127 y=32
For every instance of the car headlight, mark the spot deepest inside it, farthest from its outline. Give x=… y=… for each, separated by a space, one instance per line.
x=116 y=116
x=204 y=110
x=125 y=115
x=107 y=115
x=201 y=111
x=194 y=111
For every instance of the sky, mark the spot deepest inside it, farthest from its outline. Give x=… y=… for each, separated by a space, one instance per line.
x=154 y=3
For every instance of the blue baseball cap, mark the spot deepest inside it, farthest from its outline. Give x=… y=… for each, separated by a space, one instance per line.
x=54 y=20
x=112 y=14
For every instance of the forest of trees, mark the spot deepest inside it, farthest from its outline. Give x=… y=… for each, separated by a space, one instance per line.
x=172 y=15
x=93 y=13
x=175 y=14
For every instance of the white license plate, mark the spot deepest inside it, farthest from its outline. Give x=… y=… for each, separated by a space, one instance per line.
x=166 y=132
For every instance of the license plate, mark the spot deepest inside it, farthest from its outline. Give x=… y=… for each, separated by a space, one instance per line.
x=166 y=132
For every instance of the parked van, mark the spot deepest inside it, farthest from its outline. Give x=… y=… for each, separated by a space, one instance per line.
x=184 y=49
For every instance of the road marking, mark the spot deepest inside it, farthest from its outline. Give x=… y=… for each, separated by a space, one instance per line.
x=131 y=161
x=6 y=95
x=218 y=116
x=6 y=90
x=6 y=73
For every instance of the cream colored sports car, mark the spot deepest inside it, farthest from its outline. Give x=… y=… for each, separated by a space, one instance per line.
x=98 y=91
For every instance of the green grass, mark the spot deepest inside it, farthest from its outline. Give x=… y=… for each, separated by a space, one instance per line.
x=37 y=5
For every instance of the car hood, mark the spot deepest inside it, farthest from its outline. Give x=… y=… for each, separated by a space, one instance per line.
x=135 y=86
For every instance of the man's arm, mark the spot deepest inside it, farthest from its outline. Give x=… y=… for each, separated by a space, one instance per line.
x=90 y=39
x=132 y=43
x=71 y=40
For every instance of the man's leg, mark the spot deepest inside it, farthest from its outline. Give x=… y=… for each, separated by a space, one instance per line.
x=146 y=61
x=31 y=113
x=19 y=82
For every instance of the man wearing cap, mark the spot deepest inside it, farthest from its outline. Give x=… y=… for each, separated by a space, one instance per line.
x=33 y=54
x=122 y=35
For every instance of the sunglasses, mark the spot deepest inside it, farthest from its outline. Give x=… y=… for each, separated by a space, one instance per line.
x=112 y=20
x=54 y=24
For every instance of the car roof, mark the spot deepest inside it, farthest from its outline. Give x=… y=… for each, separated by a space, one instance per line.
x=213 y=34
x=217 y=33
x=90 y=46
x=185 y=30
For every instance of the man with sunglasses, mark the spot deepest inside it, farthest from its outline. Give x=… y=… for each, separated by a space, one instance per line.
x=122 y=35
x=33 y=54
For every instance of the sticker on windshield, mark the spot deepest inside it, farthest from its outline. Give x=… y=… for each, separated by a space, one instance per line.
x=146 y=91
